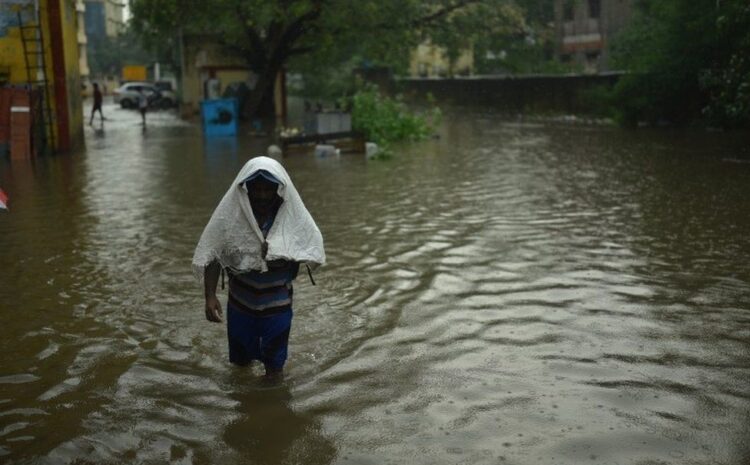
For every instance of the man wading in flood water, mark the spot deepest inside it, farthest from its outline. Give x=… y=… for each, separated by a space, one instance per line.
x=260 y=234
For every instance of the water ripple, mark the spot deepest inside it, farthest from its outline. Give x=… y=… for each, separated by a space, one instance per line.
x=509 y=293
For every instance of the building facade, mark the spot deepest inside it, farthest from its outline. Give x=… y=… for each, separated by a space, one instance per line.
x=204 y=60
x=57 y=22
x=429 y=60
x=104 y=18
x=83 y=62
x=585 y=28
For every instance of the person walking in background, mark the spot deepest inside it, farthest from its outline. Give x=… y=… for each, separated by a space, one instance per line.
x=97 y=105
x=260 y=234
x=142 y=105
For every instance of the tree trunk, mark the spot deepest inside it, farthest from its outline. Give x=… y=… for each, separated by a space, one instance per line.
x=269 y=56
x=260 y=101
x=269 y=53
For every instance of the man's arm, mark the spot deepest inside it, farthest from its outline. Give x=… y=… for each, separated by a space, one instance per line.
x=211 y=280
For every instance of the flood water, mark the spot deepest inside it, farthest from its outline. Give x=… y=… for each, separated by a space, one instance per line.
x=510 y=293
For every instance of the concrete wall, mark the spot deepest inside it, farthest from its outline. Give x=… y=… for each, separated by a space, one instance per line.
x=518 y=94
x=115 y=13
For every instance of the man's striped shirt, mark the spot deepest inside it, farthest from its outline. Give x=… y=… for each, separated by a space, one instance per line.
x=264 y=293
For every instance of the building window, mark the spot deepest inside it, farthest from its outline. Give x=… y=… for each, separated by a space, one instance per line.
x=568 y=10
x=595 y=8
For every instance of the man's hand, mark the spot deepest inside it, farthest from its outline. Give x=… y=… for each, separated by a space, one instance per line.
x=211 y=279
x=213 y=309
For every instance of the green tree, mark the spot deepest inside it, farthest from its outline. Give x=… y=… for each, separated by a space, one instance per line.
x=687 y=62
x=274 y=34
x=385 y=120
x=107 y=55
x=527 y=48
x=727 y=82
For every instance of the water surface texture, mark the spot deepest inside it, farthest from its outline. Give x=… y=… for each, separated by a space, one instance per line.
x=508 y=293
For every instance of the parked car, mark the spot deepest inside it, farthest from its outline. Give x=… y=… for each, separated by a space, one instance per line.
x=164 y=85
x=127 y=95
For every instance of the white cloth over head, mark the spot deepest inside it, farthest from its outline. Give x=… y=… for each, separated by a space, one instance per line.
x=233 y=237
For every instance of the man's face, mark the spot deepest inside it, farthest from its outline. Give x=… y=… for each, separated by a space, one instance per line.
x=262 y=194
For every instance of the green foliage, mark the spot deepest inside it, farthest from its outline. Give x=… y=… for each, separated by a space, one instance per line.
x=328 y=84
x=386 y=120
x=313 y=36
x=527 y=48
x=688 y=63
x=532 y=55
x=108 y=55
x=597 y=101
x=728 y=86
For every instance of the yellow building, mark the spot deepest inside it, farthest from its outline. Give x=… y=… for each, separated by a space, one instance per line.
x=206 y=62
x=208 y=69
x=56 y=22
x=430 y=60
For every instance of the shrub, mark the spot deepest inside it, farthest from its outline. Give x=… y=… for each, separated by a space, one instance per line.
x=385 y=120
x=687 y=63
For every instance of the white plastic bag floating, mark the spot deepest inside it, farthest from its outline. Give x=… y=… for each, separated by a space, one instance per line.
x=371 y=150
x=233 y=238
x=324 y=151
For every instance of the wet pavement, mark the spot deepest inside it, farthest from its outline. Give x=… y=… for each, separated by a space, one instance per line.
x=507 y=293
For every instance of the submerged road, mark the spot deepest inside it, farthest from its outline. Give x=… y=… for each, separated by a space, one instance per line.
x=508 y=293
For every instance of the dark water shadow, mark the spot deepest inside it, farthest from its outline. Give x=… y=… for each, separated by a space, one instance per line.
x=269 y=431
x=218 y=148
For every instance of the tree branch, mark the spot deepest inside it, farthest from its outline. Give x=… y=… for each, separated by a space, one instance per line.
x=423 y=20
x=436 y=15
x=299 y=51
x=296 y=28
x=257 y=48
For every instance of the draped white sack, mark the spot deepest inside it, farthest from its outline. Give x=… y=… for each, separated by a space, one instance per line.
x=233 y=237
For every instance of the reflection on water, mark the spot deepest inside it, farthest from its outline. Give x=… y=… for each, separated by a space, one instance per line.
x=267 y=429
x=509 y=293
